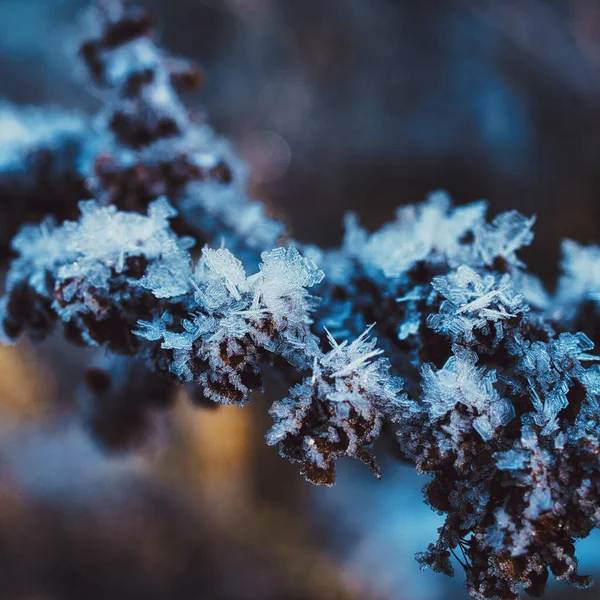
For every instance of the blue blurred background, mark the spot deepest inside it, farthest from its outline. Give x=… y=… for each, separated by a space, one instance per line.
x=337 y=105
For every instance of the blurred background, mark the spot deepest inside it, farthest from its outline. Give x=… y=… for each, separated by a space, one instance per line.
x=337 y=105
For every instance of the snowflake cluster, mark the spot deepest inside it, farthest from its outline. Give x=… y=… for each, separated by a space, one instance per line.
x=489 y=381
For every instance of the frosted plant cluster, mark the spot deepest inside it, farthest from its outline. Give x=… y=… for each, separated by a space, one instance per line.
x=337 y=410
x=233 y=323
x=461 y=382
x=484 y=380
x=95 y=274
x=156 y=147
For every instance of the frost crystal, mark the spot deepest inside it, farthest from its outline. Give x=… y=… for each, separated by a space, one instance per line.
x=476 y=307
x=551 y=370
x=460 y=382
x=432 y=231
x=501 y=239
x=104 y=240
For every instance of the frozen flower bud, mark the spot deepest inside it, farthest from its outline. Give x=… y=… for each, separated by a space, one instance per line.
x=337 y=411
x=237 y=323
x=98 y=275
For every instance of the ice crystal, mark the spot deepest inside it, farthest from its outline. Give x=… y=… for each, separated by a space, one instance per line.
x=432 y=232
x=475 y=306
x=551 y=369
x=501 y=239
x=104 y=240
x=460 y=382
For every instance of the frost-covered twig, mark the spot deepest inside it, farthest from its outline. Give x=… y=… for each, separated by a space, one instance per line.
x=125 y=281
x=485 y=376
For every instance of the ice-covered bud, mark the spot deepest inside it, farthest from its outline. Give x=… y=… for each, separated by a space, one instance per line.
x=551 y=371
x=99 y=275
x=432 y=232
x=31 y=278
x=338 y=410
x=238 y=323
